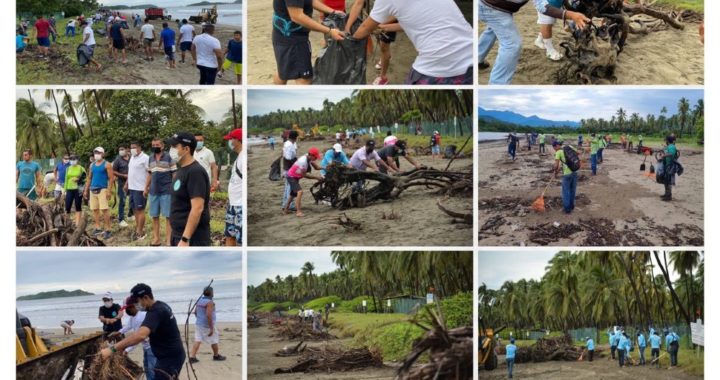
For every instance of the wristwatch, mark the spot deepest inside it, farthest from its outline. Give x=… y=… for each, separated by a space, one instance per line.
x=184 y=239
x=113 y=349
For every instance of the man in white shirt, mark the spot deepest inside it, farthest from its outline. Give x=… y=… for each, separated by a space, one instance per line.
x=89 y=41
x=207 y=54
x=185 y=39
x=138 y=172
x=206 y=158
x=233 y=214
x=131 y=326
x=289 y=156
x=147 y=35
x=439 y=32
x=367 y=157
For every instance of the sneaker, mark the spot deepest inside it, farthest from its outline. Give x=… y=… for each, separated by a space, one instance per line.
x=131 y=218
x=483 y=65
x=219 y=357
x=220 y=74
x=123 y=224
x=193 y=360
x=107 y=235
x=553 y=55
x=378 y=66
x=539 y=43
x=141 y=237
x=380 y=81
x=97 y=231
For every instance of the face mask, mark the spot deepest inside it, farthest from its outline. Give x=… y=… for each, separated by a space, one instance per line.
x=122 y=153
x=108 y=304
x=174 y=154
x=98 y=157
x=139 y=307
x=65 y=160
x=134 y=152
x=73 y=162
x=200 y=144
x=230 y=145
x=156 y=149
x=368 y=150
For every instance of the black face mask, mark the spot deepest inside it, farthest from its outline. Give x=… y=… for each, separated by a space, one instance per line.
x=156 y=149
x=369 y=150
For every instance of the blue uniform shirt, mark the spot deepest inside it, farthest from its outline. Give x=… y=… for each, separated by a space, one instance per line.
x=623 y=343
x=510 y=351
x=329 y=158
x=168 y=37
x=655 y=341
x=641 y=341
x=27 y=174
x=590 y=345
x=672 y=337
x=613 y=339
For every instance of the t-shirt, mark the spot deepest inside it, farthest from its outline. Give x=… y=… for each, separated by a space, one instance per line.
x=134 y=323
x=147 y=31
x=560 y=155
x=89 y=31
x=61 y=169
x=338 y=5
x=116 y=32
x=280 y=7
x=235 y=49
x=671 y=151
x=435 y=140
x=186 y=33
x=121 y=165
x=670 y=338
x=205 y=46
x=206 y=158
x=513 y=139
x=73 y=172
x=28 y=172
x=622 y=343
x=655 y=341
x=71 y=23
x=43 y=28
x=201 y=315
x=289 y=154
x=138 y=171
x=20 y=42
x=165 y=338
x=330 y=157
x=590 y=345
x=510 y=351
x=390 y=140
x=161 y=171
x=111 y=312
x=190 y=182
x=390 y=151
x=594 y=145
x=360 y=155
x=641 y=340
x=235 y=187
x=299 y=168
x=542 y=139
x=437 y=29
x=168 y=37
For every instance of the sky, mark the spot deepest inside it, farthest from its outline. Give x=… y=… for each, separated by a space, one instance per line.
x=261 y=102
x=160 y=3
x=268 y=264
x=215 y=102
x=563 y=103
x=117 y=271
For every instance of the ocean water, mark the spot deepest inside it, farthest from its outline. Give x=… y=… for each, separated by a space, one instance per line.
x=492 y=136
x=48 y=313
x=230 y=14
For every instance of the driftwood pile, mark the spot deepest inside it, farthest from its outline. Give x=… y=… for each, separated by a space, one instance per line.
x=450 y=354
x=592 y=52
x=117 y=367
x=47 y=225
x=550 y=349
x=294 y=330
x=330 y=359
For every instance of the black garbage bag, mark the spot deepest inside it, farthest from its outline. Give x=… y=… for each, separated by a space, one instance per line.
x=83 y=54
x=275 y=171
x=450 y=151
x=341 y=62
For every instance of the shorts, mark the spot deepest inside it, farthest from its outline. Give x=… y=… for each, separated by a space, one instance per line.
x=293 y=58
x=175 y=240
x=545 y=19
x=159 y=205
x=435 y=149
x=137 y=199
x=294 y=185
x=237 y=67
x=98 y=199
x=65 y=325
x=233 y=222
x=201 y=335
x=92 y=50
x=169 y=53
x=388 y=37
x=186 y=46
x=147 y=42
x=43 y=41
x=414 y=77
x=119 y=44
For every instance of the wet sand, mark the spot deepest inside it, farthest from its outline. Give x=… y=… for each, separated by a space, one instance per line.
x=421 y=223
x=618 y=207
x=665 y=57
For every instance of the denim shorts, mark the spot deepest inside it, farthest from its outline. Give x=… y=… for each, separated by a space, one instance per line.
x=159 y=205
x=436 y=149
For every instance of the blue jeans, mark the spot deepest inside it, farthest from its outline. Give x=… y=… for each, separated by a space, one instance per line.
x=673 y=350
x=149 y=361
x=510 y=364
x=501 y=27
x=286 y=195
x=600 y=154
x=122 y=197
x=642 y=354
x=593 y=163
x=70 y=31
x=511 y=150
x=569 y=187
x=621 y=357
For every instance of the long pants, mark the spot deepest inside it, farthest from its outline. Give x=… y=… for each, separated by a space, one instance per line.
x=511 y=150
x=621 y=357
x=207 y=74
x=612 y=351
x=149 y=361
x=673 y=354
x=286 y=195
x=591 y=353
x=668 y=189
x=500 y=27
x=655 y=353
x=70 y=31
x=642 y=355
x=542 y=148
x=510 y=365
x=122 y=197
x=593 y=163
x=569 y=187
x=600 y=154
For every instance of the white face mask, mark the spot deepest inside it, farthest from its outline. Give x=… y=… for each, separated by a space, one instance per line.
x=122 y=153
x=174 y=154
x=139 y=307
x=200 y=145
x=73 y=162
x=98 y=157
x=134 y=152
x=230 y=145
x=108 y=303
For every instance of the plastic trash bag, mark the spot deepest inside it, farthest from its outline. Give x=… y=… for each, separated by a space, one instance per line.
x=341 y=62
x=450 y=151
x=83 y=54
x=275 y=171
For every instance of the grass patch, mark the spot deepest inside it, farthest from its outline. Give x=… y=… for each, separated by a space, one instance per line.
x=392 y=334
x=690 y=362
x=693 y=5
x=318 y=304
x=424 y=142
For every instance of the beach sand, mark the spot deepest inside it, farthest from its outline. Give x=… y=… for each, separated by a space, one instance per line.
x=620 y=206
x=262 y=362
x=62 y=67
x=665 y=57
x=421 y=223
x=230 y=346
x=261 y=65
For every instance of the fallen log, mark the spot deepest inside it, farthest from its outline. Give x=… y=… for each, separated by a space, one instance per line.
x=328 y=359
x=464 y=218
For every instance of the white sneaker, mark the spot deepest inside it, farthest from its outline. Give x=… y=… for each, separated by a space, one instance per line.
x=123 y=224
x=539 y=43
x=554 y=55
x=378 y=66
x=131 y=218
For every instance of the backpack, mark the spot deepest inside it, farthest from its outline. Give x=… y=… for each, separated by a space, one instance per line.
x=572 y=160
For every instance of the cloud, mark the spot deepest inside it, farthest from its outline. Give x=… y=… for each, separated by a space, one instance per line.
x=268 y=264
x=261 y=102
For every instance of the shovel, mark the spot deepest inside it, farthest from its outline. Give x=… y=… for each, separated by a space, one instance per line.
x=658 y=358
x=539 y=204
x=642 y=166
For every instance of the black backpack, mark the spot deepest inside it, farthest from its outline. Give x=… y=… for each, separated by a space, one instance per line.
x=572 y=160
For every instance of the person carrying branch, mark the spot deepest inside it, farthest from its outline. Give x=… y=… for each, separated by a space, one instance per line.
x=206 y=330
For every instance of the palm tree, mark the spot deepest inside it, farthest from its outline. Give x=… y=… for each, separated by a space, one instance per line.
x=50 y=94
x=684 y=262
x=683 y=109
x=35 y=128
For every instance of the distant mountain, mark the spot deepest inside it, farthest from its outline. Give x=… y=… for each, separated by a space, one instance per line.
x=54 y=294
x=521 y=120
x=206 y=3
x=122 y=7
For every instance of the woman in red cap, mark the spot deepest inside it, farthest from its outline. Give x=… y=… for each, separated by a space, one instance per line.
x=301 y=169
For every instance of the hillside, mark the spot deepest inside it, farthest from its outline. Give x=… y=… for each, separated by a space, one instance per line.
x=521 y=120
x=55 y=294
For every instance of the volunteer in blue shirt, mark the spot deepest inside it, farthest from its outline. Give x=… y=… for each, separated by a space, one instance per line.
x=613 y=344
x=672 y=345
x=655 y=343
x=590 y=345
x=28 y=176
x=510 y=356
x=622 y=347
x=641 y=347
x=167 y=41
x=334 y=156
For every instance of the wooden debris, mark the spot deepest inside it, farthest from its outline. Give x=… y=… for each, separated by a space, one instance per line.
x=294 y=330
x=461 y=217
x=117 y=367
x=328 y=359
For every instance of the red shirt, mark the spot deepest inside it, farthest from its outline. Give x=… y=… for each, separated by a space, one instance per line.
x=43 y=28
x=338 y=5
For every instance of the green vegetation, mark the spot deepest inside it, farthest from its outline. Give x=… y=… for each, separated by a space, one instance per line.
x=693 y=5
x=55 y=294
x=45 y=7
x=206 y=3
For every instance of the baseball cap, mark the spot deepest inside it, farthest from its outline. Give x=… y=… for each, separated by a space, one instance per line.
x=107 y=296
x=129 y=301
x=183 y=138
x=140 y=290
x=370 y=143
x=337 y=148
x=234 y=134
x=556 y=142
x=99 y=149
x=401 y=144
x=436 y=132
x=314 y=152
